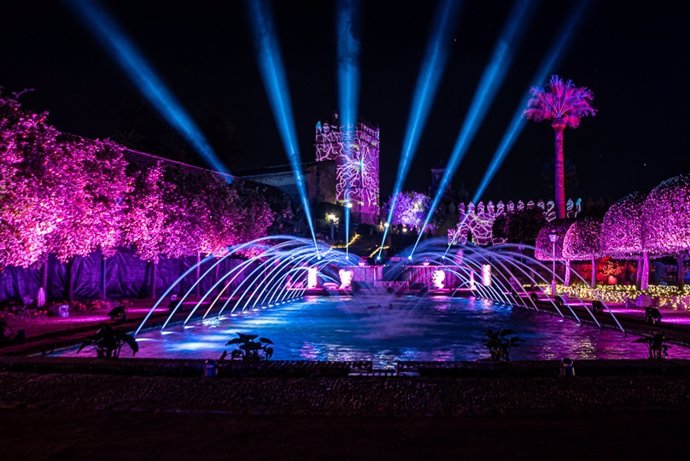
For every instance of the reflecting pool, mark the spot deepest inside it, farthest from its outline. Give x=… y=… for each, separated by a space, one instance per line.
x=388 y=329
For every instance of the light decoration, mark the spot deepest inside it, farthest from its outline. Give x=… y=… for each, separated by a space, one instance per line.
x=410 y=209
x=345 y=276
x=668 y=296
x=381 y=248
x=476 y=221
x=351 y=242
x=581 y=242
x=312 y=277
x=357 y=163
x=438 y=278
x=544 y=248
x=623 y=227
x=667 y=214
x=486 y=275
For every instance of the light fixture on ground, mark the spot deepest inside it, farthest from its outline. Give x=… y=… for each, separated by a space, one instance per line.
x=333 y=220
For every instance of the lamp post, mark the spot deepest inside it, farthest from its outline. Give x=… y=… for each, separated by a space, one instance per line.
x=333 y=220
x=553 y=237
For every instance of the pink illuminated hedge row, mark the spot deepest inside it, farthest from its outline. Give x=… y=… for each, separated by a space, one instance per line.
x=70 y=196
x=657 y=224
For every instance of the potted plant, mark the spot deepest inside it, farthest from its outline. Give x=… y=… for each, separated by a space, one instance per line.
x=500 y=343
x=108 y=342
x=249 y=348
x=656 y=345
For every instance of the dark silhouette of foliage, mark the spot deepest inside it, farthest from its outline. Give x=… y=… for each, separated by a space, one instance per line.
x=108 y=342
x=500 y=343
x=249 y=349
x=656 y=345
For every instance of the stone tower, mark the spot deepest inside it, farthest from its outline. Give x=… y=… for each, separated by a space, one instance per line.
x=356 y=153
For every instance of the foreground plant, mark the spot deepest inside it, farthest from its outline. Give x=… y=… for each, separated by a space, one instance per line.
x=656 y=345
x=108 y=342
x=500 y=343
x=249 y=349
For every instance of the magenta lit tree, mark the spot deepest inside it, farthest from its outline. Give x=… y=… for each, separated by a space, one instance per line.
x=544 y=249
x=29 y=211
x=563 y=104
x=581 y=243
x=623 y=234
x=668 y=219
x=144 y=222
x=410 y=209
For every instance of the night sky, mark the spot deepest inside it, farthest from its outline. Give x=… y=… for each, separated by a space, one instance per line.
x=635 y=59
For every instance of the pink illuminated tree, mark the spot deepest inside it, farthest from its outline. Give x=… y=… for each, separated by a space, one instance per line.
x=623 y=234
x=563 y=104
x=668 y=219
x=28 y=145
x=545 y=250
x=410 y=209
x=581 y=242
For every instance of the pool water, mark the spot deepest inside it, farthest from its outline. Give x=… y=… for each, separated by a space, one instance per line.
x=388 y=329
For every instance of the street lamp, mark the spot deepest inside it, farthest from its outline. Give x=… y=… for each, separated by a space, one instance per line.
x=333 y=220
x=553 y=237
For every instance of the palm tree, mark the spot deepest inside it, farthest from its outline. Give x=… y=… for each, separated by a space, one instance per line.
x=564 y=104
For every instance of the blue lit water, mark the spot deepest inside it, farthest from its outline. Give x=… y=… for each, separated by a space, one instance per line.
x=407 y=328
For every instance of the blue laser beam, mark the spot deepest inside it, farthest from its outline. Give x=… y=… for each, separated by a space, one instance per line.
x=489 y=83
x=348 y=86
x=275 y=83
x=139 y=71
x=430 y=74
x=518 y=122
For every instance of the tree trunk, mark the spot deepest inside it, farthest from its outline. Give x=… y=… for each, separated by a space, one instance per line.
x=681 y=270
x=638 y=271
x=104 y=267
x=44 y=281
x=559 y=173
x=198 y=274
x=567 y=273
x=644 y=278
x=154 y=270
x=594 y=272
x=70 y=279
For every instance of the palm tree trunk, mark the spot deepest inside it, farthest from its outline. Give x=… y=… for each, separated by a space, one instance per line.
x=559 y=173
x=567 y=273
x=594 y=272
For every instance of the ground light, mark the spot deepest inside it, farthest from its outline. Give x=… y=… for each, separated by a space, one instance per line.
x=491 y=80
x=430 y=75
x=275 y=82
x=140 y=72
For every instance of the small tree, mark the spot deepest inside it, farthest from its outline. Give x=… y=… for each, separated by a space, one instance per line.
x=581 y=242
